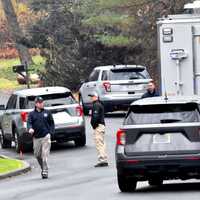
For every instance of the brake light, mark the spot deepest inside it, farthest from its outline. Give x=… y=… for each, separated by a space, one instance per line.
x=107 y=86
x=79 y=111
x=133 y=161
x=192 y=158
x=24 y=116
x=120 y=137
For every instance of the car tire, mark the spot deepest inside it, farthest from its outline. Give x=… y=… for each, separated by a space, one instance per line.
x=85 y=110
x=126 y=184
x=155 y=182
x=4 y=142
x=19 y=145
x=80 y=142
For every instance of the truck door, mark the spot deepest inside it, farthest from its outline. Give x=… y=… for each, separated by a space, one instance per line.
x=90 y=86
x=196 y=40
x=7 y=117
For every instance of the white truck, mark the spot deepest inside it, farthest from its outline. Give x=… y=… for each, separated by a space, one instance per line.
x=179 y=51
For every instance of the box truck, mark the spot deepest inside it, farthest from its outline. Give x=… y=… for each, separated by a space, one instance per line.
x=179 y=52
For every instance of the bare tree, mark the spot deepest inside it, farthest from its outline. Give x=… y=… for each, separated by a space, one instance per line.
x=16 y=32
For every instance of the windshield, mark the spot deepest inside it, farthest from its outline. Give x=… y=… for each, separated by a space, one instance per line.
x=53 y=99
x=156 y=114
x=127 y=74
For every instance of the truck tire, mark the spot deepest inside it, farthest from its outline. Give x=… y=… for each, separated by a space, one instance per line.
x=18 y=143
x=20 y=146
x=4 y=142
x=80 y=142
x=155 y=182
x=126 y=184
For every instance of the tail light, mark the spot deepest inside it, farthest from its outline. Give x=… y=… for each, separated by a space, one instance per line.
x=133 y=161
x=120 y=137
x=24 y=116
x=79 y=111
x=193 y=158
x=107 y=86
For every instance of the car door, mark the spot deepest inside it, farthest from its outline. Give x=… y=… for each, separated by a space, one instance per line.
x=90 y=86
x=8 y=115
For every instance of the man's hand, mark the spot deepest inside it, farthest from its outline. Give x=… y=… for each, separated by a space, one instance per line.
x=31 y=131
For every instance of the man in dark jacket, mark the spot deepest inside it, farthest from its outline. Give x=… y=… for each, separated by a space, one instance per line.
x=151 y=91
x=40 y=125
x=98 y=124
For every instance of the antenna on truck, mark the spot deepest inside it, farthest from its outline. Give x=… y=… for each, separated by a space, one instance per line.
x=166 y=97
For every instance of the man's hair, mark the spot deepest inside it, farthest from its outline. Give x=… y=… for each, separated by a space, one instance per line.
x=153 y=82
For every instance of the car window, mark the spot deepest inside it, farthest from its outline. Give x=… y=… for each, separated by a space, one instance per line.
x=104 y=76
x=94 y=75
x=129 y=74
x=53 y=99
x=156 y=114
x=22 y=103
x=12 y=102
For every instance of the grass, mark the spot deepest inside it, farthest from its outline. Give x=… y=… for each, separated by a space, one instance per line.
x=8 y=165
x=121 y=41
x=8 y=77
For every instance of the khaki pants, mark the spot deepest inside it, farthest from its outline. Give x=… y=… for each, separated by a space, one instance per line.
x=99 y=138
x=41 y=150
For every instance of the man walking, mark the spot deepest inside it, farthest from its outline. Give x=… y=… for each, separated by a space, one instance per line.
x=151 y=91
x=40 y=125
x=98 y=124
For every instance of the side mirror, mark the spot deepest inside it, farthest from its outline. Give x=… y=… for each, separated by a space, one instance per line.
x=82 y=81
x=2 y=107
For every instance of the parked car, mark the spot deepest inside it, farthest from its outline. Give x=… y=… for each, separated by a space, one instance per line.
x=159 y=140
x=117 y=86
x=34 y=78
x=67 y=114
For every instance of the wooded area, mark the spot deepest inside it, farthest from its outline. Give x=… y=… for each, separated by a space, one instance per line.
x=77 y=35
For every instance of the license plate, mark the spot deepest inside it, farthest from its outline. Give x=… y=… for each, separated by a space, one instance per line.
x=132 y=87
x=161 y=139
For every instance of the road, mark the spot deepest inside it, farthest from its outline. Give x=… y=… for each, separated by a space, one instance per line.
x=72 y=176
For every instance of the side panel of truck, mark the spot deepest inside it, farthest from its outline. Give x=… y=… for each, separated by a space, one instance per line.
x=184 y=35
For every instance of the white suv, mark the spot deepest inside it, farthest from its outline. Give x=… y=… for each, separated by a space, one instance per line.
x=117 y=86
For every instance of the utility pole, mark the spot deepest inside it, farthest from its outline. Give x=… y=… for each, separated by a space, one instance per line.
x=27 y=75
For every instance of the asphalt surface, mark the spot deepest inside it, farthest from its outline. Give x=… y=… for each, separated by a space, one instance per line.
x=72 y=175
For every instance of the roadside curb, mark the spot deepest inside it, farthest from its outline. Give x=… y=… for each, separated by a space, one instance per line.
x=17 y=172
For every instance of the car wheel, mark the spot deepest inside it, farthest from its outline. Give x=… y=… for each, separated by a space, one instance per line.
x=155 y=182
x=80 y=142
x=4 y=142
x=18 y=143
x=126 y=184
x=85 y=110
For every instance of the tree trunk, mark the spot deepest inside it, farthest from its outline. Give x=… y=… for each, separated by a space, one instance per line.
x=16 y=32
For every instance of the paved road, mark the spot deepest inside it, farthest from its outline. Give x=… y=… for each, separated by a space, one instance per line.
x=72 y=176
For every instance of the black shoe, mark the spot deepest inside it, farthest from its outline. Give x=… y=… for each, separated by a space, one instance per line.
x=103 y=164
x=44 y=174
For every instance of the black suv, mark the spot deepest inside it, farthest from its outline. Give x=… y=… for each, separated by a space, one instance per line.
x=159 y=140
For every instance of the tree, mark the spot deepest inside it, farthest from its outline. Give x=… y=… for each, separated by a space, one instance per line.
x=79 y=35
x=16 y=32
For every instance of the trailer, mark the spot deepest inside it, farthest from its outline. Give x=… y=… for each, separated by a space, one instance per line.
x=179 y=52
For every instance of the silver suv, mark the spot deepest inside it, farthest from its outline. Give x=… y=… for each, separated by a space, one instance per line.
x=67 y=114
x=117 y=86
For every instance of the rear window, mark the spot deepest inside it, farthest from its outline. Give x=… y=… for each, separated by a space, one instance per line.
x=127 y=74
x=53 y=99
x=168 y=113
